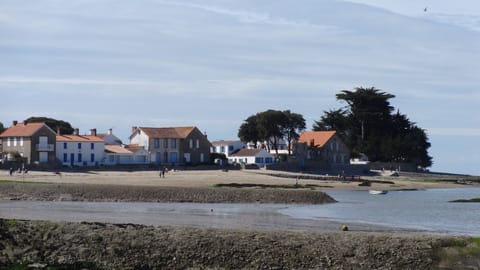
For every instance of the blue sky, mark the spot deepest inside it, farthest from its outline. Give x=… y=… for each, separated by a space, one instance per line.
x=116 y=63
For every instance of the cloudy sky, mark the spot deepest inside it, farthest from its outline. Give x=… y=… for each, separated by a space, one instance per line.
x=117 y=63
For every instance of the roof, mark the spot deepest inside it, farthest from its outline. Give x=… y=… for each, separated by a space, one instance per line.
x=247 y=153
x=78 y=138
x=316 y=138
x=125 y=149
x=22 y=130
x=168 y=132
x=222 y=142
x=117 y=149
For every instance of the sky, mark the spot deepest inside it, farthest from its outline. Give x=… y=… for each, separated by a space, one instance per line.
x=212 y=63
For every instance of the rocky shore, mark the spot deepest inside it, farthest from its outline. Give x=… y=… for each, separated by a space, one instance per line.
x=128 y=246
x=91 y=192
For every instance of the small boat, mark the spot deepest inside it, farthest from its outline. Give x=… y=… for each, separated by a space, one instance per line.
x=378 y=192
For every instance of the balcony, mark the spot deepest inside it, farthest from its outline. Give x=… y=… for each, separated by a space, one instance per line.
x=45 y=147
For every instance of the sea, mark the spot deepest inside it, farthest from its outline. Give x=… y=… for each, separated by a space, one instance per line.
x=426 y=210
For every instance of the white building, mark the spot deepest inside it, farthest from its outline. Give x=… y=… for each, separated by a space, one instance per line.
x=227 y=147
x=80 y=150
x=259 y=157
x=125 y=155
x=109 y=138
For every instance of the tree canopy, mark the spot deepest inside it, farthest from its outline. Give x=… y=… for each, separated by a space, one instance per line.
x=2 y=127
x=65 y=127
x=368 y=125
x=272 y=126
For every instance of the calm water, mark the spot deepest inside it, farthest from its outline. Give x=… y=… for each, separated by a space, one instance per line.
x=423 y=210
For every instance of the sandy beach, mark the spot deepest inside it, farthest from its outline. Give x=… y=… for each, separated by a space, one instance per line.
x=208 y=178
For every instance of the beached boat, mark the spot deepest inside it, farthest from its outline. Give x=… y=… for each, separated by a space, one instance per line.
x=377 y=192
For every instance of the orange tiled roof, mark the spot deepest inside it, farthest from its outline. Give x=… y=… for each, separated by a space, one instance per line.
x=117 y=149
x=134 y=147
x=168 y=132
x=22 y=130
x=316 y=138
x=246 y=153
x=222 y=142
x=78 y=138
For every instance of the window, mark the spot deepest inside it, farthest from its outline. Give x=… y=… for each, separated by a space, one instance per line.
x=21 y=141
x=222 y=149
x=79 y=145
x=65 y=157
x=64 y=145
x=14 y=141
x=259 y=160
x=92 y=146
x=92 y=157
x=268 y=160
x=156 y=143
x=190 y=143
x=165 y=143
x=174 y=143
x=79 y=157
x=8 y=141
x=173 y=157
x=198 y=143
x=230 y=148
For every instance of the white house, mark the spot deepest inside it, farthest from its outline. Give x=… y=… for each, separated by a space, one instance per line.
x=80 y=150
x=227 y=147
x=259 y=157
x=125 y=155
x=109 y=138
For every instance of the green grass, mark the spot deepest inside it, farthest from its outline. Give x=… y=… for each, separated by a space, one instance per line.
x=293 y=186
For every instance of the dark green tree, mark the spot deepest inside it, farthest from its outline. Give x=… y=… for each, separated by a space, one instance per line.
x=65 y=127
x=368 y=126
x=2 y=128
x=271 y=126
x=294 y=124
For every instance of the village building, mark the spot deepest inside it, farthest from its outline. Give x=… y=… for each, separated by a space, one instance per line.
x=173 y=145
x=227 y=147
x=109 y=138
x=34 y=143
x=325 y=146
x=259 y=157
x=131 y=154
x=80 y=150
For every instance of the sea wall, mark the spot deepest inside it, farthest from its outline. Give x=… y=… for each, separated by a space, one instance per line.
x=128 y=246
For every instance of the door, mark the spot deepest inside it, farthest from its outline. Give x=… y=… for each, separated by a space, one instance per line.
x=43 y=157
x=72 y=159
x=173 y=157
x=186 y=156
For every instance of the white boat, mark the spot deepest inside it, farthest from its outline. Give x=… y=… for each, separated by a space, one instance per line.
x=378 y=192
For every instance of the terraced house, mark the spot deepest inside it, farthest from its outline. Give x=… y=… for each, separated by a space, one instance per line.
x=80 y=150
x=173 y=145
x=34 y=142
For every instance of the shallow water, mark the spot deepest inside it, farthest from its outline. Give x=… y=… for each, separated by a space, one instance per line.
x=418 y=210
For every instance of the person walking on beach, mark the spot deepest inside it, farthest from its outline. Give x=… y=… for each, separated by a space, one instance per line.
x=164 y=170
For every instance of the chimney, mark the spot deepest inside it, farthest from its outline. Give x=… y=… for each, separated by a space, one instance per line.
x=76 y=132
x=93 y=132
x=14 y=123
x=134 y=128
x=110 y=131
x=205 y=134
x=58 y=131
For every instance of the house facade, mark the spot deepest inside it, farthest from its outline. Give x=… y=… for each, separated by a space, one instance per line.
x=322 y=146
x=259 y=157
x=125 y=155
x=34 y=142
x=227 y=147
x=80 y=150
x=109 y=138
x=173 y=145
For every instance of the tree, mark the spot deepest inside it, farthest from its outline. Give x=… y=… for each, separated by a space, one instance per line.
x=271 y=126
x=294 y=124
x=2 y=128
x=248 y=131
x=54 y=124
x=368 y=126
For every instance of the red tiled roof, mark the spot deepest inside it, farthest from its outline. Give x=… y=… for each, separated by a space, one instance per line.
x=22 y=130
x=78 y=138
x=168 y=132
x=316 y=138
x=134 y=147
x=246 y=153
x=219 y=143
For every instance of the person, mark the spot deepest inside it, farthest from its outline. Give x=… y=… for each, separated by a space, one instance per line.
x=164 y=171
x=11 y=171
